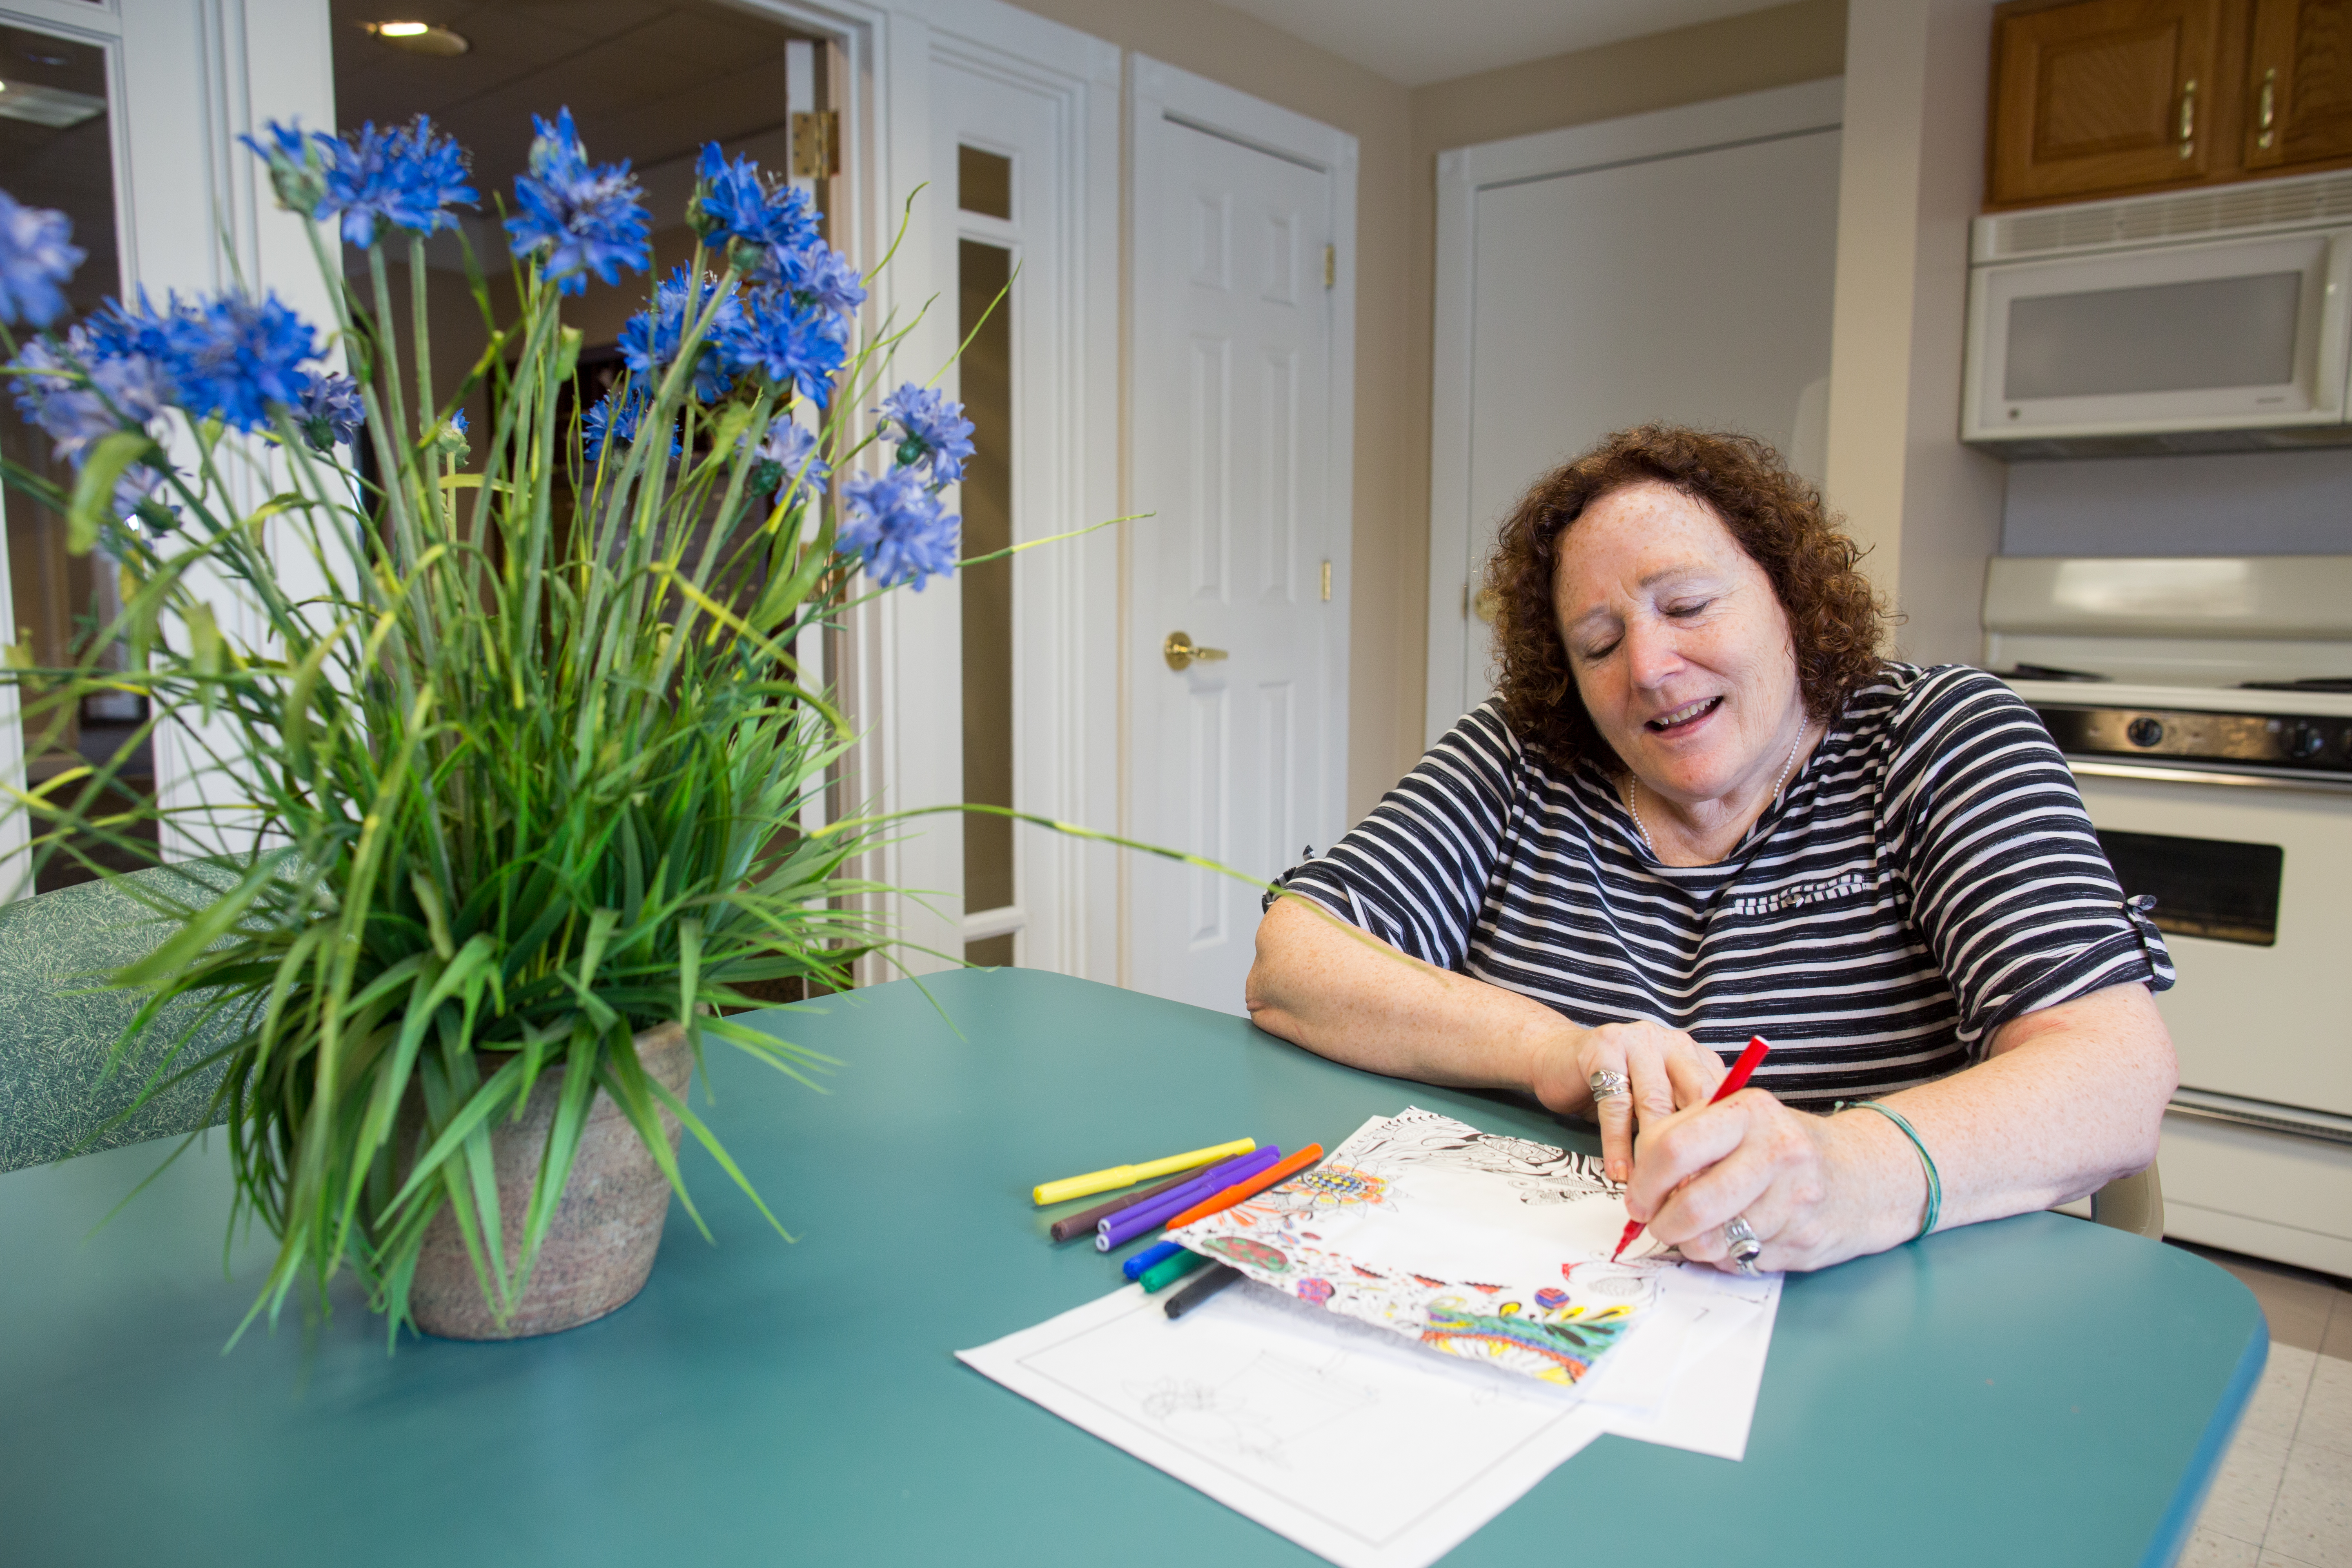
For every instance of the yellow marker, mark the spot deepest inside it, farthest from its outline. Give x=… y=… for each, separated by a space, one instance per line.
x=1128 y=1176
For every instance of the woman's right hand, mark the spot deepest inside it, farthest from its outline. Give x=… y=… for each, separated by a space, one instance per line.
x=1666 y=1069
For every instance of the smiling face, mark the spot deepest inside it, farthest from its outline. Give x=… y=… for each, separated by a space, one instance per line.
x=1680 y=648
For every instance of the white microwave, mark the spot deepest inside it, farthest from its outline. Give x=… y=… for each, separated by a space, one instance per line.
x=2206 y=320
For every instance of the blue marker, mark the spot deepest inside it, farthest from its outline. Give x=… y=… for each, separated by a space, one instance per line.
x=1158 y=1253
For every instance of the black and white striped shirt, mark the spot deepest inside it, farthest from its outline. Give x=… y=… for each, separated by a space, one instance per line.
x=1929 y=875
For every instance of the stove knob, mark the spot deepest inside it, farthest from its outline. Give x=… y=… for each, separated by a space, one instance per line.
x=2143 y=732
x=2303 y=741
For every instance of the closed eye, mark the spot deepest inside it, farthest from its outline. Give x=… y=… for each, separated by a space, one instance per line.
x=1688 y=607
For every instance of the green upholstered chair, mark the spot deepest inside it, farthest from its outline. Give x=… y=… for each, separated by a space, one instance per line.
x=58 y=1023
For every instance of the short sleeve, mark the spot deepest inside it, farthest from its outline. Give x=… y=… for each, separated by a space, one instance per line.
x=1414 y=871
x=2006 y=879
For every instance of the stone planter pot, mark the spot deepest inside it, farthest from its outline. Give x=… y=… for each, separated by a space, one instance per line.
x=600 y=1246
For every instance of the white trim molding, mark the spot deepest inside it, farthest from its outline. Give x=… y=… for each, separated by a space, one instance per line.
x=1463 y=173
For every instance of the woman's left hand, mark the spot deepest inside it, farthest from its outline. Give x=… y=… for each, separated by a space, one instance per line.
x=1815 y=1190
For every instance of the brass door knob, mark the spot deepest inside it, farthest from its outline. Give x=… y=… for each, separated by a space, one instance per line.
x=1180 y=651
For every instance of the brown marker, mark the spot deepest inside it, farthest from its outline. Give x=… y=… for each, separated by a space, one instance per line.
x=1080 y=1225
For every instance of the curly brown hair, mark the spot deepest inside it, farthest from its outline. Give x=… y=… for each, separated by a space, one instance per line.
x=1835 y=620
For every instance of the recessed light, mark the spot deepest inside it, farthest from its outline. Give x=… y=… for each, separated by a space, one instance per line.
x=421 y=38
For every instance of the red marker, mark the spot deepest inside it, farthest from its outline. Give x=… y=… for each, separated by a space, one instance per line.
x=1732 y=1084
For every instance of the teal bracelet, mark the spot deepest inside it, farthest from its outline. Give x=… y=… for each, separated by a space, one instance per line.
x=1935 y=1181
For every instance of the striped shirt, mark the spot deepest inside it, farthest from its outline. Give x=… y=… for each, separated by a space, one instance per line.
x=1928 y=875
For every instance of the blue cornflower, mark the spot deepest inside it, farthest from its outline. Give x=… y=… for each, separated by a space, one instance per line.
x=793 y=347
x=819 y=275
x=135 y=500
x=298 y=167
x=897 y=526
x=586 y=220
x=331 y=410
x=110 y=392
x=618 y=422
x=788 y=453
x=933 y=431
x=36 y=255
x=407 y=176
x=236 y=358
x=650 y=340
x=732 y=203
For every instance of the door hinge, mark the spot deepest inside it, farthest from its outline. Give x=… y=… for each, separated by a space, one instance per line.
x=816 y=146
x=1326 y=582
x=1330 y=266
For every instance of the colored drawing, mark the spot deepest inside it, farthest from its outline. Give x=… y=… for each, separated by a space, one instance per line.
x=1255 y=1256
x=1488 y=1248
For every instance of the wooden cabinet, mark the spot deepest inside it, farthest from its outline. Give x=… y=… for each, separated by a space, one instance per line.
x=2112 y=98
x=2100 y=96
x=2299 y=69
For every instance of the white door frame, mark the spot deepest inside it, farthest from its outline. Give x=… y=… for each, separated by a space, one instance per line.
x=1463 y=173
x=906 y=649
x=1159 y=95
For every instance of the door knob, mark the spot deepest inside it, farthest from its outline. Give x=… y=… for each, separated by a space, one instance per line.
x=1180 y=651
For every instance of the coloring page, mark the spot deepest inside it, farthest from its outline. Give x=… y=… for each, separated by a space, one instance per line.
x=1491 y=1248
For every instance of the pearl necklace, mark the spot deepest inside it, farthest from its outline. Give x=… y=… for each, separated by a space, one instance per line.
x=1634 y=792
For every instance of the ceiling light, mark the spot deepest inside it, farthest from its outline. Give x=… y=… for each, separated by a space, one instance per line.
x=55 y=107
x=420 y=38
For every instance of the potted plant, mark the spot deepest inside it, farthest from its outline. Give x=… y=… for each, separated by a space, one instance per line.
x=516 y=754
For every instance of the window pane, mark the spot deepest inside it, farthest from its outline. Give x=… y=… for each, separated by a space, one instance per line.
x=987 y=500
x=985 y=183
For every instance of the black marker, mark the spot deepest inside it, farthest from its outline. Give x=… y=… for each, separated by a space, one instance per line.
x=1200 y=1290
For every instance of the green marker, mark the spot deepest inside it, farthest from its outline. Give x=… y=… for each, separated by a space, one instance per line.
x=1169 y=1271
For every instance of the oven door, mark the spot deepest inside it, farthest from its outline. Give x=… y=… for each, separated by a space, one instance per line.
x=2251 y=875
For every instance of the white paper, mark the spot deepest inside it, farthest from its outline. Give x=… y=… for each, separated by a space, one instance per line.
x=1358 y=1445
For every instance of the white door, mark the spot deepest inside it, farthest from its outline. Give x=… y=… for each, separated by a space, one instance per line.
x=1676 y=265
x=1235 y=756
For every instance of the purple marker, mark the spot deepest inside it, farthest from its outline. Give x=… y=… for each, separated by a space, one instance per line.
x=1215 y=1179
x=1129 y=1223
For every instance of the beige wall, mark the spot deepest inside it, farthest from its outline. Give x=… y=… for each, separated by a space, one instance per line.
x=1400 y=133
x=1926 y=508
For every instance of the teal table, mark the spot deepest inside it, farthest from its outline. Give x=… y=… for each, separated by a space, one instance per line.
x=2036 y=1391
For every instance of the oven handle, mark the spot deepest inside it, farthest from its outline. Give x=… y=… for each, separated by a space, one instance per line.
x=2323 y=784
x=2293 y=1120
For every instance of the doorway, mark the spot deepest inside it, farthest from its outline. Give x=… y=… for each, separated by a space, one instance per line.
x=1243 y=309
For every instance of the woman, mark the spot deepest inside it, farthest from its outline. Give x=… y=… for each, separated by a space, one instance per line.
x=1702 y=807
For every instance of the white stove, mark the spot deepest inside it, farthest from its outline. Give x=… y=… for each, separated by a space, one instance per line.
x=2206 y=708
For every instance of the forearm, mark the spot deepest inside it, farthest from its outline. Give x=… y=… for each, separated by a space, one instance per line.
x=1344 y=993
x=2069 y=1098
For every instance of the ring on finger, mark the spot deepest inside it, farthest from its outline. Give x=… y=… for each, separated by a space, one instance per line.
x=1609 y=1084
x=1739 y=1237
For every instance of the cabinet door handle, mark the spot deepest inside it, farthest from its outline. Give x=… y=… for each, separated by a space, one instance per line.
x=2189 y=120
x=2269 y=113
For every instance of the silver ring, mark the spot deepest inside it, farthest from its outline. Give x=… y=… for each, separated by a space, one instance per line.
x=1609 y=1084
x=1740 y=1237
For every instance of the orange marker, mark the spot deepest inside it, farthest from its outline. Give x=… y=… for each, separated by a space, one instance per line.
x=1242 y=1192
x=1732 y=1084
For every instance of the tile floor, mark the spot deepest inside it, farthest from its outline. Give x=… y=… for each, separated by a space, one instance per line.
x=2284 y=1499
